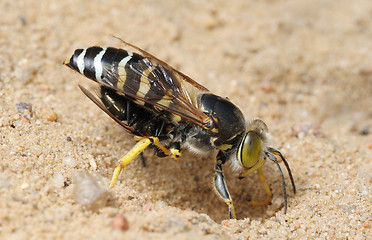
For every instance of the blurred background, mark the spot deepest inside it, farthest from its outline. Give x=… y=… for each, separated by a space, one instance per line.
x=304 y=67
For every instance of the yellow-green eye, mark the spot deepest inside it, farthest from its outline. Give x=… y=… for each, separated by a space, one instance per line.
x=250 y=150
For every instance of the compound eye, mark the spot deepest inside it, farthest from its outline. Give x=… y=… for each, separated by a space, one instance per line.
x=251 y=149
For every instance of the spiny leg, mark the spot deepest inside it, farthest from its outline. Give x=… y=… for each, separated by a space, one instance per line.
x=221 y=187
x=261 y=177
x=132 y=154
x=142 y=144
x=257 y=166
x=176 y=155
x=175 y=150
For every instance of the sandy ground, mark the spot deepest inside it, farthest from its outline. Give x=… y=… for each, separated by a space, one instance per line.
x=304 y=67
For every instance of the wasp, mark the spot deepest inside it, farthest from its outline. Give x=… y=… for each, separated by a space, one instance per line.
x=163 y=107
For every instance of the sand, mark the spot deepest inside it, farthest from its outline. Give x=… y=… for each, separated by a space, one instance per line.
x=304 y=67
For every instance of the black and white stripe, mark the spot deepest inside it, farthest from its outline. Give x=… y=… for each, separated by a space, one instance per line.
x=97 y=62
x=130 y=72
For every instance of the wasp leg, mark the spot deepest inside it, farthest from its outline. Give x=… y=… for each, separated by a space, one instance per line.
x=143 y=160
x=156 y=142
x=175 y=150
x=258 y=165
x=261 y=177
x=142 y=144
x=221 y=187
x=136 y=150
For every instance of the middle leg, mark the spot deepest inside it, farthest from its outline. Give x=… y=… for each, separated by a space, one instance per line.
x=220 y=185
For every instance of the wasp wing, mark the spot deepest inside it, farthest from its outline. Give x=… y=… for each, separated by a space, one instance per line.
x=156 y=85
x=155 y=59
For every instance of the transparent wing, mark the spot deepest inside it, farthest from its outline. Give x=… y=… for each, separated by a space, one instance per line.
x=157 y=60
x=156 y=85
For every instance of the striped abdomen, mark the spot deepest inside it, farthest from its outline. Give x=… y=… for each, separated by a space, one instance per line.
x=135 y=75
x=144 y=80
x=97 y=63
x=125 y=71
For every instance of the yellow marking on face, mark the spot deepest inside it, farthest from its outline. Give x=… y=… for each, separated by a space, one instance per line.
x=214 y=130
x=224 y=147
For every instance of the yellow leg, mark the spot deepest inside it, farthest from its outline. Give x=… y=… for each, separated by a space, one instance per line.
x=221 y=188
x=232 y=214
x=142 y=144
x=257 y=166
x=174 y=153
x=136 y=150
x=262 y=179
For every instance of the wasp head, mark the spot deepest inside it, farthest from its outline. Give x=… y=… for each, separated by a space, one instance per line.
x=253 y=145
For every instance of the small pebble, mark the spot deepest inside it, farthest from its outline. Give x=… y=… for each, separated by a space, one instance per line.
x=120 y=223
x=147 y=207
x=226 y=223
x=93 y=164
x=366 y=224
x=23 y=75
x=25 y=109
x=90 y=190
x=366 y=70
x=208 y=20
x=49 y=115
x=16 y=117
x=23 y=20
x=267 y=87
x=69 y=162
x=36 y=150
x=365 y=130
x=58 y=180
x=4 y=183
